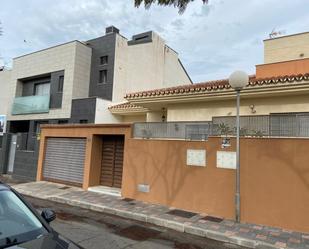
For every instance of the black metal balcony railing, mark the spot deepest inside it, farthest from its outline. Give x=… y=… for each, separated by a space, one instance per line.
x=281 y=125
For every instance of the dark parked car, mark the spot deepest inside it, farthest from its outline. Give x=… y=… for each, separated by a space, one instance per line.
x=22 y=227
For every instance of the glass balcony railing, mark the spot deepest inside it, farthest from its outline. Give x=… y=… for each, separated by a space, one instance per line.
x=31 y=104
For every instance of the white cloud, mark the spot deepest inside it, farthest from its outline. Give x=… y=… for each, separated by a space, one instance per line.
x=212 y=40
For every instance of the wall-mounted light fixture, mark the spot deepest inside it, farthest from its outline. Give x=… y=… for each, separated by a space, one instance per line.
x=252 y=107
x=163 y=117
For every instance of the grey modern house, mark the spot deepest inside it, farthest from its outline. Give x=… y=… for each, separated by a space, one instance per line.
x=76 y=82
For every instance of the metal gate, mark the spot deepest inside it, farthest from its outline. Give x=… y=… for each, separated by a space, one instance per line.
x=112 y=161
x=12 y=153
x=64 y=160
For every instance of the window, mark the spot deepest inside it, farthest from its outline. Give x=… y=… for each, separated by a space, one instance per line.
x=104 y=60
x=102 y=76
x=42 y=89
x=60 y=84
x=83 y=121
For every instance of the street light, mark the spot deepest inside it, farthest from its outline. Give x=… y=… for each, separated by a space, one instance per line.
x=238 y=80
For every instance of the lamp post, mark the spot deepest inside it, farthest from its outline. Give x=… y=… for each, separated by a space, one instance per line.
x=238 y=80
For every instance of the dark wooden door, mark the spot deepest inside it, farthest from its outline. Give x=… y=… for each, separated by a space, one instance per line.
x=112 y=161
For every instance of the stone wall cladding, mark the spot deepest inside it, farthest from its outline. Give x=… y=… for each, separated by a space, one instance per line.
x=25 y=166
x=102 y=46
x=62 y=57
x=4 y=152
x=83 y=109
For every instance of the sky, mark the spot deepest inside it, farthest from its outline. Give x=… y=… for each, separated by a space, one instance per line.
x=212 y=40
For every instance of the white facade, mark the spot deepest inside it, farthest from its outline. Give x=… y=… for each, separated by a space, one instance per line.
x=103 y=115
x=269 y=96
x=205 y=111
x=145 y=66
x=174 y=72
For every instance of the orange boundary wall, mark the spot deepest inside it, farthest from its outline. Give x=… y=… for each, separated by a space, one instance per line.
x=274 y=174
x=274 y=179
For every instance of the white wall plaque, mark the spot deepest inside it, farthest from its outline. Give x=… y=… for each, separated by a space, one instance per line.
x=196 y=157
x=143 y=188
x=226 y=159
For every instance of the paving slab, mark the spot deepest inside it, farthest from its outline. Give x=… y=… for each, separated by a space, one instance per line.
x=248 y=235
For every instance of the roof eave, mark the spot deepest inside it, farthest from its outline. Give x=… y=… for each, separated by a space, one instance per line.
x=260 y=91
x=128 y=111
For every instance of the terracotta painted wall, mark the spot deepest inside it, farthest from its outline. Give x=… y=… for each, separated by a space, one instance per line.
x=274 y=174
x=93 y=133
x=162 y=165
x=293 y=67
x=275 y=182
x=274 y=179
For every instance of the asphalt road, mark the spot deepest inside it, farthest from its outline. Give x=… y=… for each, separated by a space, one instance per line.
x=99 y=231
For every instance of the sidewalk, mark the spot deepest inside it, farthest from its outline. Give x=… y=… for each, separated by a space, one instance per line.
x=248 y=235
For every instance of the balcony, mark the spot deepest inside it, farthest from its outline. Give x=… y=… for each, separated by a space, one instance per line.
x=31 y=105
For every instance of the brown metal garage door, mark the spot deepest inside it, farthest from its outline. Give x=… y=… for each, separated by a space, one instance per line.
x=64 y=160
x=112 y=161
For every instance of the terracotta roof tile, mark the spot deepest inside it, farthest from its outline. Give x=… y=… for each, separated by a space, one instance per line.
x=124 y=106
x=215 y=85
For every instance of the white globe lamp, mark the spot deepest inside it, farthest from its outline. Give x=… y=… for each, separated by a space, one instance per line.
x=238 y=80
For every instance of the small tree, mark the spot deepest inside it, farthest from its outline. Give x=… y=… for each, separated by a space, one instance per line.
x=257 y=133
x=224 y=129
x=180 y=4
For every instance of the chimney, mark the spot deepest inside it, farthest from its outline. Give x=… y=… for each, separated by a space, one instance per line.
x=111 y=29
